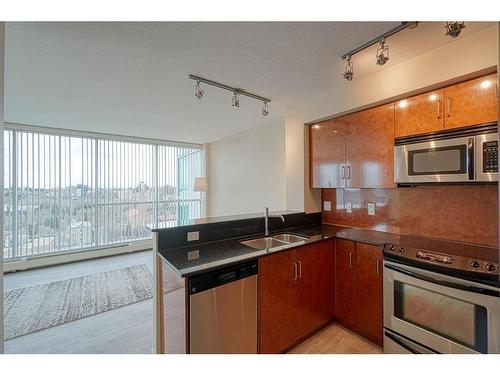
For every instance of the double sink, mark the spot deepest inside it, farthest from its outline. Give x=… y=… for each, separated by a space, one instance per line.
x=274 y=242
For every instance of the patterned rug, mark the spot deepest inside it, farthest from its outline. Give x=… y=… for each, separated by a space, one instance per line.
x=35 y=308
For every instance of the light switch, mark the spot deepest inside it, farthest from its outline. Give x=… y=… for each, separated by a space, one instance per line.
x=193 y=236
x=327 y=206
x=371 y=208
x=348 y=207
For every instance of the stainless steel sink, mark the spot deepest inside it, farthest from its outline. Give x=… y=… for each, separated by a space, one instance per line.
x=264 y=243
x=290 y=238
x=279 y=240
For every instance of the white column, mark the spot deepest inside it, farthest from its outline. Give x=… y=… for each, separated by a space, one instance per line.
x=2 y=62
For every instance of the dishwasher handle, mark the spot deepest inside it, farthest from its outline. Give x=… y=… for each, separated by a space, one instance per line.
x=221 y=276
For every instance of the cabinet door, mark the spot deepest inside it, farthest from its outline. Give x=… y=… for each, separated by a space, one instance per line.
x=472 y=102
x=327 y=154
x=369 y=291
x=315 y=286
x=345 y=292
x=370 y=148
x=277 y=302
x=419 y=114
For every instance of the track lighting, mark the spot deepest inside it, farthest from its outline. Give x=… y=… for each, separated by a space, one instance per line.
x=236 y=100
x=382 y=53
x=349 y=72
x=198 y=91
x=454 y=28
x=265 y=109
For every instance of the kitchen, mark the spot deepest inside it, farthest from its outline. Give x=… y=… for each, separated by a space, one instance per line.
x=404 y=252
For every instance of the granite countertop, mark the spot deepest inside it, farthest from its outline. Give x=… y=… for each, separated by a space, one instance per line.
x=195 y=259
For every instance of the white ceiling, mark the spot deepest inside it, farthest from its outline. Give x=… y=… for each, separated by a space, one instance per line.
x=131 y=78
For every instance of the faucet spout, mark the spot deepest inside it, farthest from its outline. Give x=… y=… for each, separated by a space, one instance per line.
x=266 y=220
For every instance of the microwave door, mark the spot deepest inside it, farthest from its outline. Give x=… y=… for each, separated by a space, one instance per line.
x=448 y=160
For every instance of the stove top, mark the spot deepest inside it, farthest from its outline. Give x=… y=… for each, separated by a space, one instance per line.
x=475 y=262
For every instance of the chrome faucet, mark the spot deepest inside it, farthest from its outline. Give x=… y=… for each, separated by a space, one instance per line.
x=266 y=220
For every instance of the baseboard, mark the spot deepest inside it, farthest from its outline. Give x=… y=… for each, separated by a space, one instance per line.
x=52 y=260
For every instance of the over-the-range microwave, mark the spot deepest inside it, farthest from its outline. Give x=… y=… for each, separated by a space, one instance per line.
x=460 y=156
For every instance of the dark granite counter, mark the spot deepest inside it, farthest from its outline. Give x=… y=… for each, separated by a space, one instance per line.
x=194 y=259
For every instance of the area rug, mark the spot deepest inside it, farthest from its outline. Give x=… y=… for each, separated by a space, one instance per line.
x=35 y=308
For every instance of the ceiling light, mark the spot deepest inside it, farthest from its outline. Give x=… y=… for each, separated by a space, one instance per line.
x=349 y=72
x=486 y=84
x=382 y=53
x=454 y=28
x=236 y=100
x=403 y=104
x=198 y=91
x=265 y=109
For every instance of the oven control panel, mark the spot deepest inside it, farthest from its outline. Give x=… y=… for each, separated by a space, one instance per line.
x=490 y=157
x=442 y=259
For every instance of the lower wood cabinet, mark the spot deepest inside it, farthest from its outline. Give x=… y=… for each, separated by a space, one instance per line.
x=296 y=290
x=358 y=288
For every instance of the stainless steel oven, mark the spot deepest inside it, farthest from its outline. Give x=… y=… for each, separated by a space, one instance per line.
x=430 y=312
x=453 y=157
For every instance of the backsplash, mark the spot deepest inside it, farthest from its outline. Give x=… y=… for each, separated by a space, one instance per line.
x=458 y=213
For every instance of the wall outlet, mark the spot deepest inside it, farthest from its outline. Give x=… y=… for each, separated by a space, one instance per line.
x=371 y=208
x=193 y=236
x=348 y=207
x=327 y=206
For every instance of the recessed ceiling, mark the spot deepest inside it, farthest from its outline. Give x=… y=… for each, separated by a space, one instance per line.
x=131 y=78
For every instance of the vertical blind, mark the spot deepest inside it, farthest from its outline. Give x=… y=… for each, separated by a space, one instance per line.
x=65 y=192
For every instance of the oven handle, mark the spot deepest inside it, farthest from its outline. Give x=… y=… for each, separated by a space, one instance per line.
x=470 y=158
x=449 y=284
x=408 y=344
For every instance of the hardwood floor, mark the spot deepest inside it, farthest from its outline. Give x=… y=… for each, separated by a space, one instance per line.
x=128 y=329
x=336 y=339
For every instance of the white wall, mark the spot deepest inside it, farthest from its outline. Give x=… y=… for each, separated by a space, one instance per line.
x=473 y=53
x=247 y=171
x=2 y=59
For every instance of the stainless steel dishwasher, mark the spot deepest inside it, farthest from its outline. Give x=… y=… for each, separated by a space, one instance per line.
x=223 y=310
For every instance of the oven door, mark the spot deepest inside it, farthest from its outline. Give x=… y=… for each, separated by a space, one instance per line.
x=442 y=313
x=447 y=160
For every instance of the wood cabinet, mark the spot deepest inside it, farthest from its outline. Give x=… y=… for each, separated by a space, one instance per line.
x=370 y=148
x=327 y=153
x=345 y=295
x=295 y=295
x=472 y=102
x=419 y=114
x=369 y=291
x=358 y=288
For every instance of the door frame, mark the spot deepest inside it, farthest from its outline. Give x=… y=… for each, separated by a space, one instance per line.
x=2 y=62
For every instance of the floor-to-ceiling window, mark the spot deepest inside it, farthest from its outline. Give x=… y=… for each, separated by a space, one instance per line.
x=67 y=191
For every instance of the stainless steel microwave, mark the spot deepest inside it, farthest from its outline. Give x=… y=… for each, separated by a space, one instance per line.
x=469 y=155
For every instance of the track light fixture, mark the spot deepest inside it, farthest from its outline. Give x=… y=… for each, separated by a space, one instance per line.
x=349 y=70
x=265 y=109
x=454 y=28
x=382 y=53
x=198 y=91
x=235 y=100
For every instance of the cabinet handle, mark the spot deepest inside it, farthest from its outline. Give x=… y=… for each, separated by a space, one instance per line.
x=378 y=267
x=300 y=269
x=448 y=107
x=350 y=260
x=438 y=110
x=343 y=172
x=294 y=271
x=348 y=172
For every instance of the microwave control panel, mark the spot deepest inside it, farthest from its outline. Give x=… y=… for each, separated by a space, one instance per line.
x=490 y=157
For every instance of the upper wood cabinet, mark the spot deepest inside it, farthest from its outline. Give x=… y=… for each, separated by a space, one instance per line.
x=419 y=114
x=327 y=153
x=370 y=148
x=296 y=295
x=472 y=102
